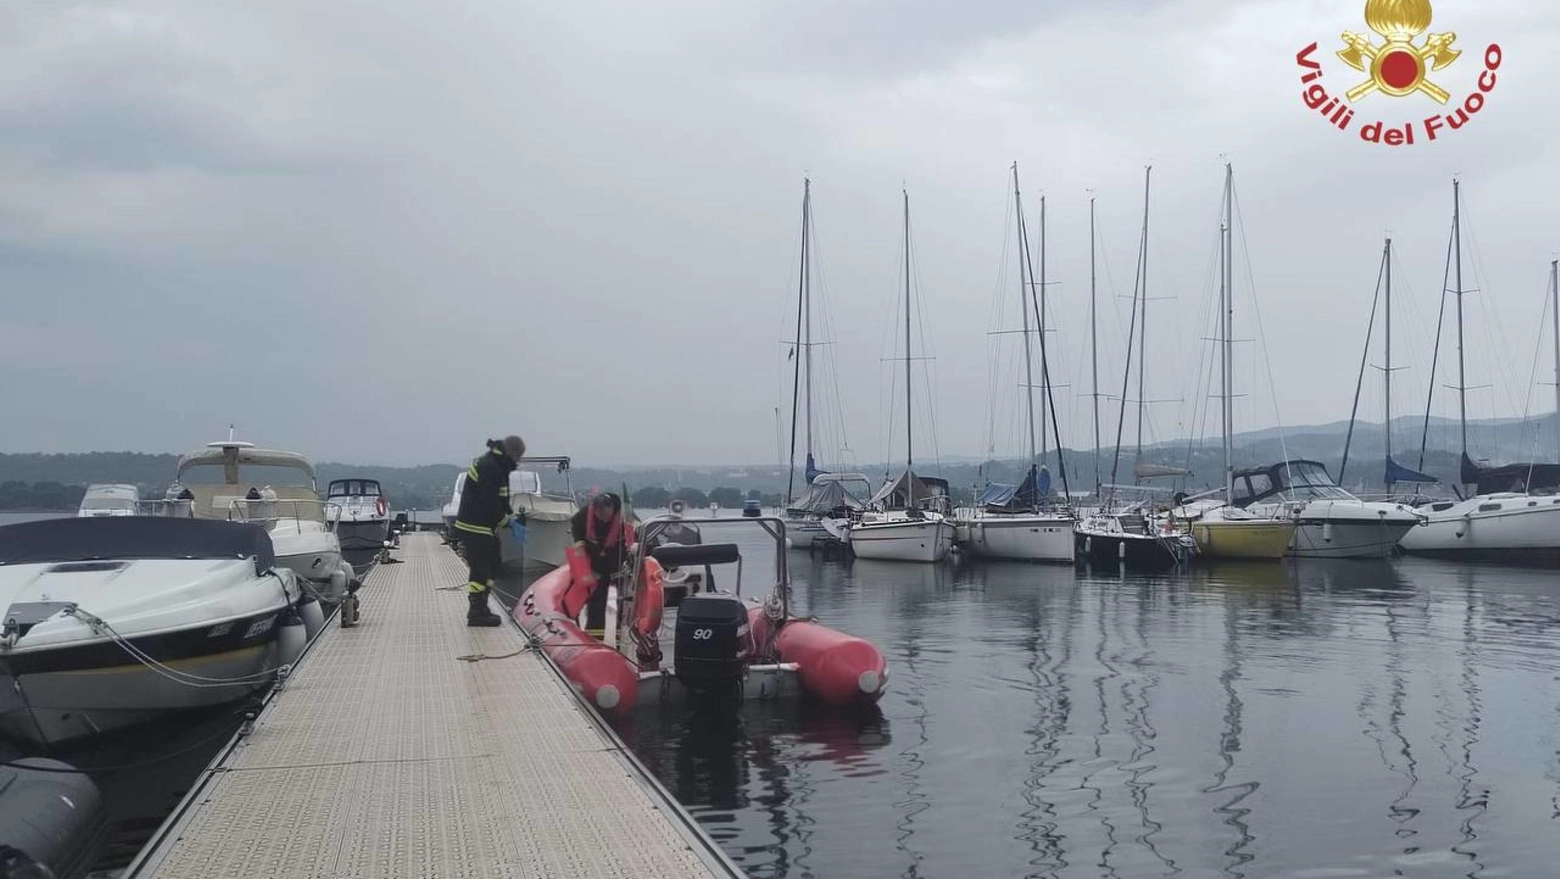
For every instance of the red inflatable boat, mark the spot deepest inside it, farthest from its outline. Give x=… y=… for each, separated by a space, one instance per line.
x=678 y=636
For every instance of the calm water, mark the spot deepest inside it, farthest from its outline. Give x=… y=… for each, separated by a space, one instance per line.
x=1302 y=719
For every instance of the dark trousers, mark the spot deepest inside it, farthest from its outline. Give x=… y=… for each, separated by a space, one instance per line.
x=482 y=557
x=596 y=605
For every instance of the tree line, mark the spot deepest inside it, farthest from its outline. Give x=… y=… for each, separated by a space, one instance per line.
x=46 y=496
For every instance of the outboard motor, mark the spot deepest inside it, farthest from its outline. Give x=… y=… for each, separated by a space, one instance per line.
x=713 y=643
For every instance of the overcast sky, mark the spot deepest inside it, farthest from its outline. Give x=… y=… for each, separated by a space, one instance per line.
x=384 y=232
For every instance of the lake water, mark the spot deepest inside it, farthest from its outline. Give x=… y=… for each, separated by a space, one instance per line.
x=1304 y=719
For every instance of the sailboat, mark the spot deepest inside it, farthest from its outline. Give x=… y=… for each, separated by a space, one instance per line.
x=827 y=501
x=1019 y=522
x=1503 y=517
x=1222 y=530
x=1123 y=534
x=907 y=522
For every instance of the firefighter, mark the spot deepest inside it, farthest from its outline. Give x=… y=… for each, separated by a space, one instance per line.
x=599 y=530
x=484 y=508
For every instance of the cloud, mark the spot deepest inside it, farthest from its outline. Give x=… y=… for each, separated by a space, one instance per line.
x=389 y=232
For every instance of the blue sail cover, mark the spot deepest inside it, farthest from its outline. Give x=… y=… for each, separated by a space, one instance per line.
x=812 y=472
x=1002 y=496
x=1398 y=473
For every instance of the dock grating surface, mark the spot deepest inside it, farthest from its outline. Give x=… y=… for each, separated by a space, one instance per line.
x=387 y=756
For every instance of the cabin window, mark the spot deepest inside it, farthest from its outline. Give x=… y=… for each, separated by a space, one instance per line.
x=1442 y=507
x=1488 y=508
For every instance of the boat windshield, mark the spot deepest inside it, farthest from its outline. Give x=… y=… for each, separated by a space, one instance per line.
x=1307 y=480
x=353 y=488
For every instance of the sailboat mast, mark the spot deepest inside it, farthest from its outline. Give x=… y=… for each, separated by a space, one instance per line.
x=807 y=345
x=909 y=457
x=1094 y=346
x=1462 y=379
x=1023 y=287
x=1227 y=306
x=1554 y=292
x=796 y=360
x=1045 y=445
x=1387 y=373
x=1143 y=315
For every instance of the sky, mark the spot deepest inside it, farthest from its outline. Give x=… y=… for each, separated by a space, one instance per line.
x=383 y=233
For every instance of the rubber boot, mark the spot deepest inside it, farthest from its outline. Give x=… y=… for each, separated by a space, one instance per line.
x=478 y=614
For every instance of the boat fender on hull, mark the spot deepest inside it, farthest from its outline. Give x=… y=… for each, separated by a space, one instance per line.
x=292 y=635
x=313 y=615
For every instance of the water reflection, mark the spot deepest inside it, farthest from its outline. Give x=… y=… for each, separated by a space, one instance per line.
x=1285 y=720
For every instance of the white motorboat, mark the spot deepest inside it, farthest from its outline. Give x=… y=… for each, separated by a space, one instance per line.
x=300 y=525
x=547 y=516
x=827 y=500
x=1330 y=522
x=114 y=621
x=115 y=499
x=362 y=516
x=451 y=510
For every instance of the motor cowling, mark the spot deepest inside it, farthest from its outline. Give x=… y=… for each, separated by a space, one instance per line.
x=713 y=642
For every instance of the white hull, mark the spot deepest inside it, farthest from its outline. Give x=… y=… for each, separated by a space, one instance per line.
x=1503 y=527
x=1347 y=540
x=1329 y=529
x=54 y=707
x=304 y=547
x=803 y=533
x=1021 y=538
x=547 y=532
x=545 y=544
x=903 y=540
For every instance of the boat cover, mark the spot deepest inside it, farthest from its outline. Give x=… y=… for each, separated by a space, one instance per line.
x=134 y=537
x=1510 y=477
x=822 y=497
x=1006 y=497
x=893 y=495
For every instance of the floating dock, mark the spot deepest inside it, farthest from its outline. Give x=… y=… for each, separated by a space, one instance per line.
x=410 y=745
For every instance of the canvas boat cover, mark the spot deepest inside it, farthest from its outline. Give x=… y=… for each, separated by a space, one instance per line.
x=895 y=494
x=821 y=497
x=1510 y=477
x=134 y=537
x=1005 y=497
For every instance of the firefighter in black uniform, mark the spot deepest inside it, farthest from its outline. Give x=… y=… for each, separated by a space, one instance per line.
x=484 y=508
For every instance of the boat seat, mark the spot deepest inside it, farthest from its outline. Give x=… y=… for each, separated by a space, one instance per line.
x=676 y=556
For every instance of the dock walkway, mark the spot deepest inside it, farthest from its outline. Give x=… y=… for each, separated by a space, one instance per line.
x=388 y=755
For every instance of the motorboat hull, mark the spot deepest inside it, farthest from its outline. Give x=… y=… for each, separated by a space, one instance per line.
x=1513 y=528
x=548 y=534
x=904 y=540
x=803 y=532
x=67 y=693
x=1019 y=538
x=1347 y=539
x=1243 y=539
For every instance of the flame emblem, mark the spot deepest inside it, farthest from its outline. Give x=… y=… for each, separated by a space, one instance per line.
x=1398 y=66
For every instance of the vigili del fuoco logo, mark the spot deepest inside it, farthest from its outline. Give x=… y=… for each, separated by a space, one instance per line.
x=1402 y=65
